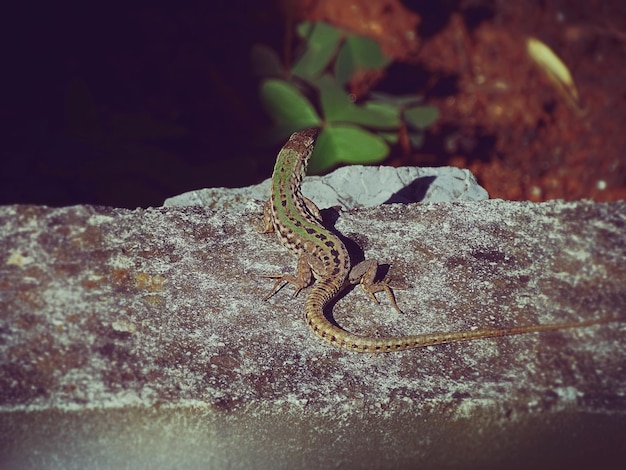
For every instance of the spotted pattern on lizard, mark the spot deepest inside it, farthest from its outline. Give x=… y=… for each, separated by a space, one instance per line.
x=297 y=222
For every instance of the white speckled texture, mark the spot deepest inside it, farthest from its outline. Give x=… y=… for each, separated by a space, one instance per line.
x=353 y=187
x=151 y=321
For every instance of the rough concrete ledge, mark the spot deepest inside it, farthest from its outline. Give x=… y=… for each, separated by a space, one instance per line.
x=139 y=338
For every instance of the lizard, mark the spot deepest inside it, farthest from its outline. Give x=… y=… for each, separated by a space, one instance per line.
x=321 y=254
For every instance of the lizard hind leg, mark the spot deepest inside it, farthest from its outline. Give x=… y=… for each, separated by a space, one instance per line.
x=301 y=280
x=364 y=273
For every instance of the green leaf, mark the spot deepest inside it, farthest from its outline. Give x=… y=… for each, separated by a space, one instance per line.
x=346 y=144
x=421 y=117
x=337 y=106
x=416 y=139
x=287 y=105
x=382 y=116
x=305 y=29
x=397 y=101
x=322 y=40
x=265 y=61
x=390 y=137
x=333 y=98
x=358 y=52
x=345 y=66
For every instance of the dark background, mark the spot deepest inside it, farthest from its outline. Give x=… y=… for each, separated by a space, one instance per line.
x=126 y=104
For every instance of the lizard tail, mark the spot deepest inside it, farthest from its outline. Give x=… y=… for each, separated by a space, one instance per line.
x=322 y=327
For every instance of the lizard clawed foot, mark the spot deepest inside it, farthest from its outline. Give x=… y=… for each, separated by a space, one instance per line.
x=371 y=289
x=284 y=278
x=364 y=274
x=301 y=280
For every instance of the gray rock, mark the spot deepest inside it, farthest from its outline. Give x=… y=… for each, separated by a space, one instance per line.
x=353 y=187
x=136 y=339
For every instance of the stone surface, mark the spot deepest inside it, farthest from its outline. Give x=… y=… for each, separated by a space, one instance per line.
x=139 y=338
x=353 y=187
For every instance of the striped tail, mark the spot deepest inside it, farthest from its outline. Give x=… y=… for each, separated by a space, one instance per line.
x=325 y=290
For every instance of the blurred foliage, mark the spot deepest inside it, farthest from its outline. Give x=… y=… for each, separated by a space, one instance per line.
x=313 y=94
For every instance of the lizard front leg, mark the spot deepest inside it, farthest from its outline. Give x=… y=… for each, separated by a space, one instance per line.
x=267 y=221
